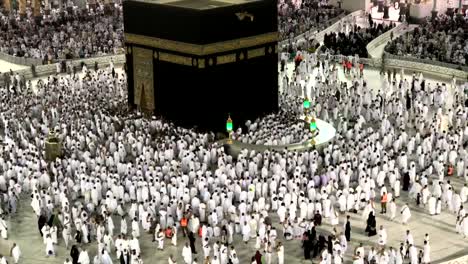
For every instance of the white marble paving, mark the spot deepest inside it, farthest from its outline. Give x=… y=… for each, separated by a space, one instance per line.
x=326 y=131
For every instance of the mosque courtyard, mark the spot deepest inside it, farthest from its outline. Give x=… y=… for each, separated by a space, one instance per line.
x=445 y=242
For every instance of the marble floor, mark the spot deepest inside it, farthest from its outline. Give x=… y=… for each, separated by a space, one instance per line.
x=326 y=132
x=445 y=243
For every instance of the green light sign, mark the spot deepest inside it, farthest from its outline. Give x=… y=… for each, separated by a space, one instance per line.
x=313 y=125
x=229 y=126
x=306 y=103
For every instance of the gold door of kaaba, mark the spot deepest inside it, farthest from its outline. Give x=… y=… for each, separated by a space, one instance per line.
x=143 y=81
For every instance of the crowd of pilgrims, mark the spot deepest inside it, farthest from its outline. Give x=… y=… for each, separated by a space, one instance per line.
x=123 y=177
x=441 y=39
x=282 y=128
x=148 y=176
x=62 y=34
x=288 y=126
x=352 y=41
x=297 y=17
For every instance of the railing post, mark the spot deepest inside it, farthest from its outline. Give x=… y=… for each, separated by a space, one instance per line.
x=434 y=9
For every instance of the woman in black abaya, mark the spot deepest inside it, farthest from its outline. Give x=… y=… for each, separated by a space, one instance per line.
x=306 y=245
x=74 y=254
x=371 y=229
x=406 y=181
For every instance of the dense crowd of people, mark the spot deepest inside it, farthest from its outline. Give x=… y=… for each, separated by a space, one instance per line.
x=297 y=17
x=442 y=39
x=123 y=177
x=354 y=41
x=288 y=125
x=123 y=181
x=283 y=128
x=63 y=35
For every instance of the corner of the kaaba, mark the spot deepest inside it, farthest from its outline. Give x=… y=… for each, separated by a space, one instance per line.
x=194 y=62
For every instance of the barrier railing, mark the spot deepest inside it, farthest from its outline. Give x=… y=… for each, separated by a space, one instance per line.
x=335 y=27
x=19 y=60
x=375 y=42
x=32 y=61
x=427 y=61
x=48 y=69
x=334 y=23
x=312 y=31
x=385 y=37
x=402 y=29
x=413 y=66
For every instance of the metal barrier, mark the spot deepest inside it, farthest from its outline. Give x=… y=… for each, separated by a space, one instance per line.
x=335 y=27
x=335 y=22
x=36 y=62
x=386 y=36
x=413 y=66
x=427 y=61
x=20 y=60
x=402 y=29
x=311 y=31
x=48 y=69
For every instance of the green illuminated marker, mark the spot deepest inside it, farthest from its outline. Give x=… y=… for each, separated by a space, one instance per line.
x=306 y=103
x=313 y=125
x=229 y=124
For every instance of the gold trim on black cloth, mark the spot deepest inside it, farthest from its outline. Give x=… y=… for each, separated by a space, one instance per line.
x=201 y=50
x=201 y=63
x=256 y=53
x=141 y=57
x=177 y=59
x=229 y=58
x=143 y=78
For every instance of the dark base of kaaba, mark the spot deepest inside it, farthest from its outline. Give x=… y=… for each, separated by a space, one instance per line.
x=205 y=97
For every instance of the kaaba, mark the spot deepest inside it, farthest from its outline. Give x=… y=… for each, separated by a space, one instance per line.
x=194 y=62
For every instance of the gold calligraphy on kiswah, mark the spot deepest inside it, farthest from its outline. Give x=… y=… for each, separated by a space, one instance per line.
x=255 y=53
x=230 y=58
x=202 y=50
x=177 y=59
